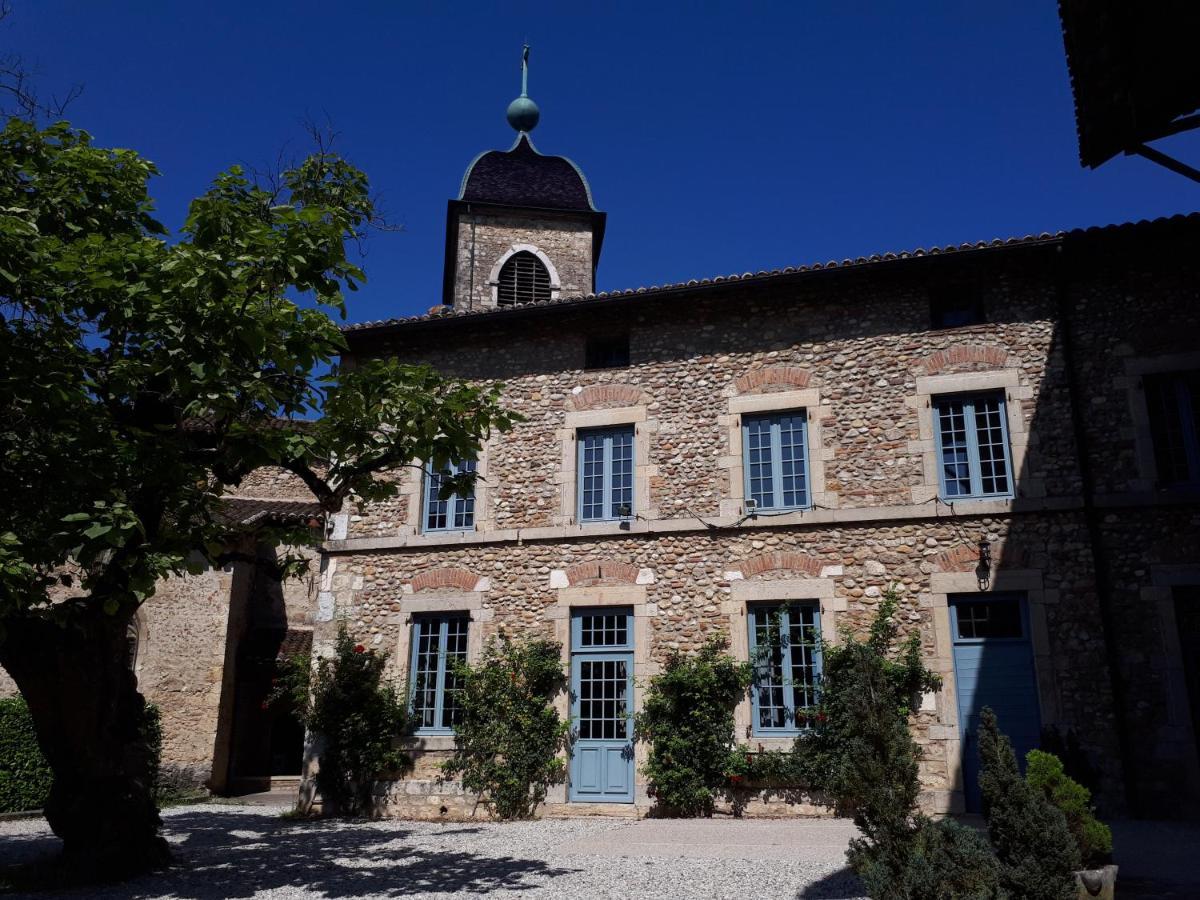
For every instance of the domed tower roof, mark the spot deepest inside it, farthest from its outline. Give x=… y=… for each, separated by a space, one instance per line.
x=521 y=176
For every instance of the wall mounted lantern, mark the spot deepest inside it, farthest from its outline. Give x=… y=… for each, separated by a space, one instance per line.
x=983 y=571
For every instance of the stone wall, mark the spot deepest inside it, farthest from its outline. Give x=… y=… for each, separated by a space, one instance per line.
x=484 y=241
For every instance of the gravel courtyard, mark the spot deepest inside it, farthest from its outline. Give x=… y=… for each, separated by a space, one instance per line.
x=245 y=851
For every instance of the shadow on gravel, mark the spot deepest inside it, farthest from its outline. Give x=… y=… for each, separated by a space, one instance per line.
x=840 y=885
x=236 y=855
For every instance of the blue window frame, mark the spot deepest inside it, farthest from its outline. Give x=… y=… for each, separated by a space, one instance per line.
x=974 y=462
x=605 y=474
x=435 y=688
x=775 y=460
x=1173 y=401
x=785 y=653
x=455 y=513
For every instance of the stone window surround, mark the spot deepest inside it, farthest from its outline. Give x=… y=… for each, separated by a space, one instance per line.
x=1007 y=380
x=744 y=593
x=494 y=276
x=1177 y=738
x=567 y=477
x=945 y=703
x=635 y=597
x=1136 y=368
x=412 y=487
x=443 y=602
x=807 y=399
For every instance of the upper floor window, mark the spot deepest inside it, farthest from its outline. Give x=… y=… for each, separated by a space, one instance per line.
x=438 y=642
x=775 y=460
x=973 y=455
x=523 y=279
x=454 y=513
x=785 y=653
x=605 y=472
x=955 y=306
x=606 y=351
x=1173 y=402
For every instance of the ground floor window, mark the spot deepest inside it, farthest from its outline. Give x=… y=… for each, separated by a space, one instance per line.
x=437 y=643
x=785 y=651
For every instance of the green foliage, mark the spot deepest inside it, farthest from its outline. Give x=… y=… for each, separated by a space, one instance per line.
x=292 y=683
x=1045 y=773
x=687 y=719
x=1029 y=833
x=151 y=374
x=509 y=743
x=945 y=861
x=358 y=718
x=25 y=776
x=863 y=756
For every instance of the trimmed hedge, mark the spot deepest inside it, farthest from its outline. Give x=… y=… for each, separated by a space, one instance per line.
x=25 y=777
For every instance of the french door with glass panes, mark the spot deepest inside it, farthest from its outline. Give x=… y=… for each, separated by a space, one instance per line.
x=602 y=706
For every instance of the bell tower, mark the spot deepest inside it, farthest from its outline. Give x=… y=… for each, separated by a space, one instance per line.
x=523 y=228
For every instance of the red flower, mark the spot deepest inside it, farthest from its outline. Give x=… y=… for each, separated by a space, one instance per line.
x=821 y=717
x=266 y=704
x=736 y=779
x=359 y=648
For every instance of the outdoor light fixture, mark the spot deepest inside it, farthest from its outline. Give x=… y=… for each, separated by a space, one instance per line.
x=751 y=507
x=983 y=571
x=624 y=513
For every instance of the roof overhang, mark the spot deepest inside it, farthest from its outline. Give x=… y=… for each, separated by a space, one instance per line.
x=1135 y=74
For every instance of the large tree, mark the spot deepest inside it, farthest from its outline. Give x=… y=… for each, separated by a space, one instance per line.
x=141 y=376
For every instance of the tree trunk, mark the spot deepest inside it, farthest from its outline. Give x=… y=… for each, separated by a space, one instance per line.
x=89 y=715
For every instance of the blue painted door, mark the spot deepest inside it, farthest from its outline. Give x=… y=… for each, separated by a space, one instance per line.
x=602 y=706
x=993 y=666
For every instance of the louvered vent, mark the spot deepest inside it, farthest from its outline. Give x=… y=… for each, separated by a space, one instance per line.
x=523 y=279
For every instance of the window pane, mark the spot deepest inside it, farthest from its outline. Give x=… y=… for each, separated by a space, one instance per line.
x=952 y=429
x=758 y=449
x=1174 y=409
x=454 y=512
x=438 y=642
x=592 y=477
x=791 y=452
x=786 y=657
x=603 y=629
x=993 y=451
x=1000 y=618
x=622 y=473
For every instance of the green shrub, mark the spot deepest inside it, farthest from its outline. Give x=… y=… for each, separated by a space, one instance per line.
x=943 y=861
x=358 y=717
x=25 y=776
x=687 y=719
x=1045 y=773
x=1029 y=833
x=509 y=743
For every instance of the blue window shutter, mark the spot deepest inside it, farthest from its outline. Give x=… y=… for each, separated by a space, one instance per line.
x=455 y=513
x=974 y=456
x=604 y=473
x=775 y=460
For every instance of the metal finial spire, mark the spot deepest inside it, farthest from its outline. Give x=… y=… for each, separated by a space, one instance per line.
x=523 y=113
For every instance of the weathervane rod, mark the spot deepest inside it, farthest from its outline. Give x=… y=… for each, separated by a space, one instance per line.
x=525 y=71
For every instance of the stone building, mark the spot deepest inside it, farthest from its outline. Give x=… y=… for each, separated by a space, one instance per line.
x=1006 y=430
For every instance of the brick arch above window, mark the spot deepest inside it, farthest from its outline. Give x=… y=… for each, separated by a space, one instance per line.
x=964 y=357
x=965 y=557
x=602 y=570
x=447 y=578
x=604 y=396
x=773 y=378
x=781 y=561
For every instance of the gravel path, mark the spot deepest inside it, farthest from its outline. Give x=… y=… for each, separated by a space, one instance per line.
x=238 y=851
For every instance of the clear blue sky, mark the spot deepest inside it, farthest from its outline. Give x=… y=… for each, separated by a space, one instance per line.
x=718 y=137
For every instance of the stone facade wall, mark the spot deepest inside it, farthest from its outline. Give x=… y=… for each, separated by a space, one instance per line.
x=859 y=355
x=484 y=241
